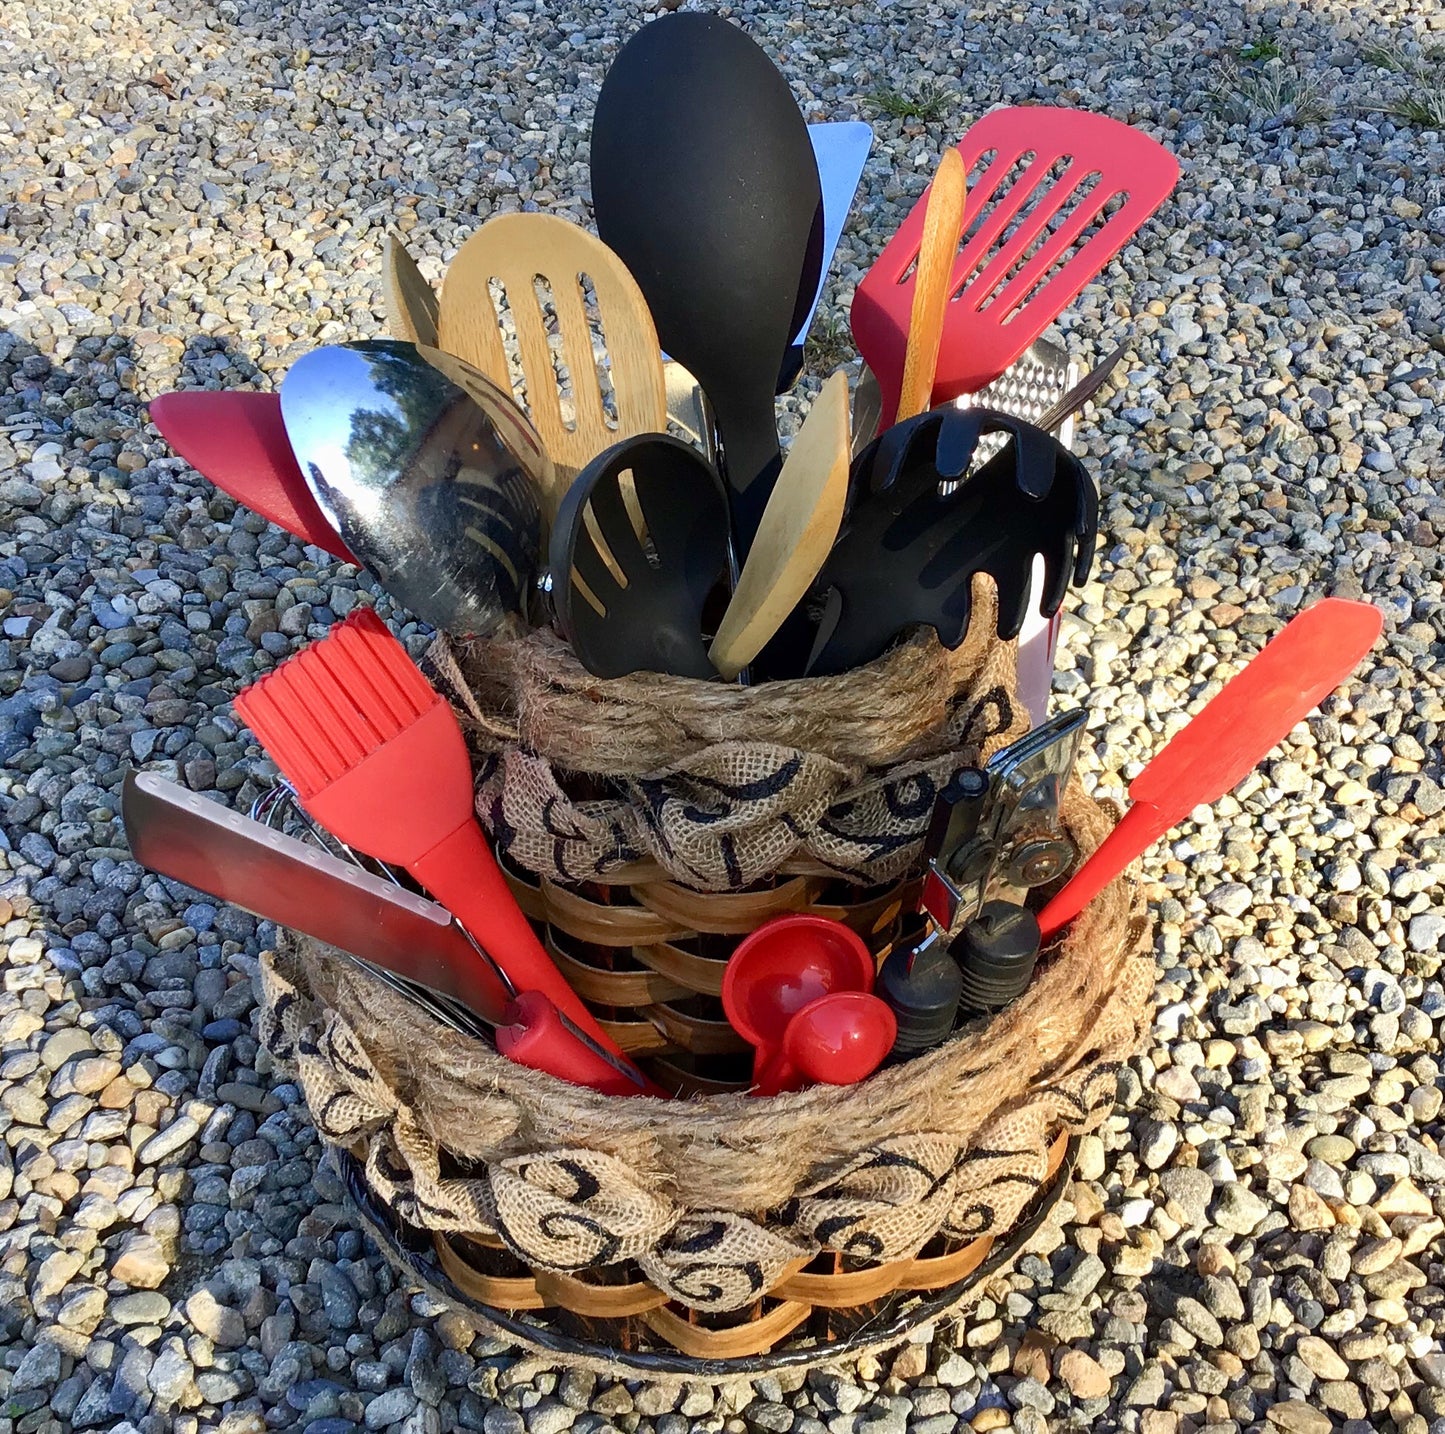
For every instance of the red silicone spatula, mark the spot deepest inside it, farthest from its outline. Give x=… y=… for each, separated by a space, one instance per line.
x=376 y=757
x=238 y=441
x=1237 y=728
x=1062 y=193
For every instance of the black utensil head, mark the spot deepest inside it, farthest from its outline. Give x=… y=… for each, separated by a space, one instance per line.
x=1002 y=935
x=916 y=534
x=705 y=184
x=640 y=541
x=921 y=985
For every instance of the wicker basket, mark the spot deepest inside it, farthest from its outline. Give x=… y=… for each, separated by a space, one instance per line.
x=723 y=1229
x=629 y=1345
x=649 y=957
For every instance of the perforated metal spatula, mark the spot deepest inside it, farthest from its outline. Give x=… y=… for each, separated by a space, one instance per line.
x=1237 y=728
x=1063 y=192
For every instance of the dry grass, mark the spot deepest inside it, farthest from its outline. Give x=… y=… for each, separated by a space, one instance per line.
x=1422 y=102
x=1254 y=93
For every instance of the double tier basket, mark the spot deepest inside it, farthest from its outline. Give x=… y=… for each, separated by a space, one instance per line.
x=647 y=823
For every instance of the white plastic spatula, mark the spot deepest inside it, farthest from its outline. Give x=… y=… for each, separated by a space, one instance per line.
x=1238 y=727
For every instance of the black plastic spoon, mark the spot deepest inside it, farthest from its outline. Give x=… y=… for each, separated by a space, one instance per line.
x=705 y=183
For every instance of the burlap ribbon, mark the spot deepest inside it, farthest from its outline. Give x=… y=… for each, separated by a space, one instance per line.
x=615 y=1189
x=720 y=786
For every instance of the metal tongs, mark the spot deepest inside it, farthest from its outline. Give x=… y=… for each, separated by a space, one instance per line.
x=280 y=809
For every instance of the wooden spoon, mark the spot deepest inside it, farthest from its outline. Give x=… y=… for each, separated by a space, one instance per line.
x=942 y=228
x=411 y=302
x=527 y=252
x=797 y=530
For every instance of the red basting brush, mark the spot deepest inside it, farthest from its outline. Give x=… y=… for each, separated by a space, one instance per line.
x=376 y=757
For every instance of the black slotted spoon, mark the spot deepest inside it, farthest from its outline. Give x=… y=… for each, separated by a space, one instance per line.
x=630 y=600
x=921 y=525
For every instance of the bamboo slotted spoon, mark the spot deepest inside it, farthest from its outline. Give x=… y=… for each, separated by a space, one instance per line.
x=522 y=252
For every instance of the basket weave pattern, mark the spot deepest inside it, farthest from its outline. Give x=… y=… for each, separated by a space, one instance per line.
x=718 y=787
x=712 y=1204
x=717 y=1200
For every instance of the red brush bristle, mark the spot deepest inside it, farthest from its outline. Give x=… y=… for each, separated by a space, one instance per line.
x=325 y=710
x=392 y=660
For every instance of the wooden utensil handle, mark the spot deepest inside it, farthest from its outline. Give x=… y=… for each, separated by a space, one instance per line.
x=942 y=226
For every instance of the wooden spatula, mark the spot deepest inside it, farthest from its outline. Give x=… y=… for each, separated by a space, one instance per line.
x=411 y=303
x=937 y=249
x=797 y=531
x=1237 y=728
x=537 y=259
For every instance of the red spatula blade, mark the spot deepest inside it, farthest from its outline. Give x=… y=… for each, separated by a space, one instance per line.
x=1063 y=191
x=1251 y=714
x=238 y=441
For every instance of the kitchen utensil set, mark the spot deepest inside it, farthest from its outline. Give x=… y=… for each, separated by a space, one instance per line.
x=503 y=460
x=719 y=208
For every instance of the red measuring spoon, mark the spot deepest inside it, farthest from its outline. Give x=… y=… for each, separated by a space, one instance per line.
x=783 y=966
x=1038 y=225
x=838 y=1039
x=1252 y=713
x=239 y=442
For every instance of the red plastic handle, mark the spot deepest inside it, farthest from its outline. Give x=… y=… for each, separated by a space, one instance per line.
x=537 y=1036
x=1234 y=731
x=462 y=874
x=774 y=1073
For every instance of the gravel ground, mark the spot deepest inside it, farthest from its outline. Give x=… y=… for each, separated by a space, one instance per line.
x=194 y=195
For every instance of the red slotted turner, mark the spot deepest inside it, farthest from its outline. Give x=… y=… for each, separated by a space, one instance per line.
x=376 y=757
x=239 y=442
x=1035 y=232
x=1251 y=714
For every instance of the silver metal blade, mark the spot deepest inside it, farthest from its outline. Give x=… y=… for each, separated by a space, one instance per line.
x=188 y=838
